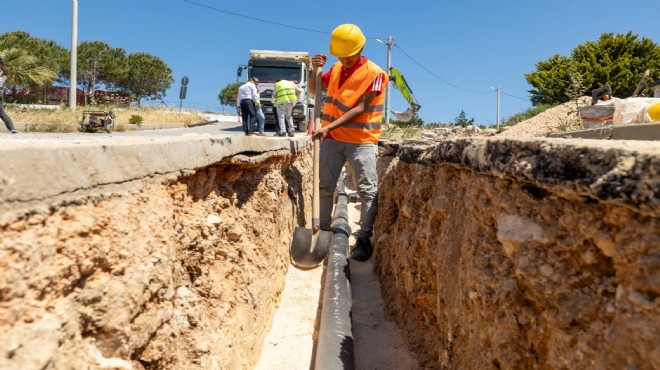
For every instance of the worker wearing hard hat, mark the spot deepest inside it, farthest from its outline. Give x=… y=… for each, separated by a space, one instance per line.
x=350 y=127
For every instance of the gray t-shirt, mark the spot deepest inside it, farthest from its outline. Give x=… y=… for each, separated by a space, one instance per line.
x=3 y=78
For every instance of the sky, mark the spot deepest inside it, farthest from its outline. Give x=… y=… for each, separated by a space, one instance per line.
x=453 y=54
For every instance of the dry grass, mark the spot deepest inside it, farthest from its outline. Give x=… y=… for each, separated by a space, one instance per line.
x=397 y=133
x=62 y=119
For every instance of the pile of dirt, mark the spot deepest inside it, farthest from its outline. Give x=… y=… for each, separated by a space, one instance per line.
x=560 y=118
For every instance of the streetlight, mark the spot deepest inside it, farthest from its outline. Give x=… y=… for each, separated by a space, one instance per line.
x=390 y=41
x=74 y=57
x=498 y=106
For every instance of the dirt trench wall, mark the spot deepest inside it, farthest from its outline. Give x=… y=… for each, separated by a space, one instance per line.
x=177 y=274
x=507 y=254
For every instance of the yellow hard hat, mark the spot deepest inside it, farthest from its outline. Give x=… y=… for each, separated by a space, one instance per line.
x=346 y=40
x=654 y=112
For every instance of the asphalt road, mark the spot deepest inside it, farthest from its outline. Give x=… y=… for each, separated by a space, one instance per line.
x=220 y=128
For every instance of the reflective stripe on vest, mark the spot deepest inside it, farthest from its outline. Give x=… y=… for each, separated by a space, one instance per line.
x=286 y=91
x=366 y=127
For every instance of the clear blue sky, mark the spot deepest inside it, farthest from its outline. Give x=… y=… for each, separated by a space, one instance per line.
x=450 y=52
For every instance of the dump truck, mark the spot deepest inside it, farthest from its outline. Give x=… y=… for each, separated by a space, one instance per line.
x=269 y=66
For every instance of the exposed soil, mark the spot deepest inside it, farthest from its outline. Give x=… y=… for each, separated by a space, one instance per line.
x=530 y=254
x=166 y=275
x=188 y=274
x=379 y=341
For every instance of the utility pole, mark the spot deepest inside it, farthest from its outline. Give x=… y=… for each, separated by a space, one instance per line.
x=497 y=117
x=498 y=108
x=390 y=41
x=73 y=96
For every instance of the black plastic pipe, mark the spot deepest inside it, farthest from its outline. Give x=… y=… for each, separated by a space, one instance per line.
x=334 y=349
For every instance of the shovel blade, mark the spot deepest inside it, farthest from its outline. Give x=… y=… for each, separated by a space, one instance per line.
x=308 y=248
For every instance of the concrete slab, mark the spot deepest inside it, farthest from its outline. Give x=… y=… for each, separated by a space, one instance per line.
x=43 y=167
x=642 y=131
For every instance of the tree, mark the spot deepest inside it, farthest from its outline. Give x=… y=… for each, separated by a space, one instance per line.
x=551 y=80
x=24 y=71
x=98 y=64
x=462 y=120
x=618 y=60
x=34 y=63
x=148 y=77
x=228 y=94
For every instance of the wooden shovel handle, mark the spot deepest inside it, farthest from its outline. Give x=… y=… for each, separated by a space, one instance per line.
x=316 y=212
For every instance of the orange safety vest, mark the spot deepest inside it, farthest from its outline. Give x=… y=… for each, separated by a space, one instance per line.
x=366 y=127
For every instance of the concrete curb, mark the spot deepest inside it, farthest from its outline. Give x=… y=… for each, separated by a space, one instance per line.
x=641 y=131
x=50 y=171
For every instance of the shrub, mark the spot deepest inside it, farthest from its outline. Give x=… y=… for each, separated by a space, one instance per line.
x=135 y=119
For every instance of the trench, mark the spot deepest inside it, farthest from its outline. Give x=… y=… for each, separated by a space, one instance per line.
x=490 y=254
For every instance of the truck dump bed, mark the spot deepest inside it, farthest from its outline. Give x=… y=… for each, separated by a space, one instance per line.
x=302 y=56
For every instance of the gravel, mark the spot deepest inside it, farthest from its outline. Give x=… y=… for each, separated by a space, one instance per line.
x=560 y=118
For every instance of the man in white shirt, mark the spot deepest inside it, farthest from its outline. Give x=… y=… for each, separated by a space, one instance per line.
x=245 y=101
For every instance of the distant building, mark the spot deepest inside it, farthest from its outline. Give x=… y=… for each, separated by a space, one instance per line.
x=60 y=95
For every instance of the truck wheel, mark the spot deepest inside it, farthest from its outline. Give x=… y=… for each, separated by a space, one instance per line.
x=302 y=125
x=109 y=125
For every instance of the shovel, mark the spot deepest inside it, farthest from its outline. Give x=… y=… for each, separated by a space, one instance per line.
x=310 y=247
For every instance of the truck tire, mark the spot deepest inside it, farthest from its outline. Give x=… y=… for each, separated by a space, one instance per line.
x=302 y=124
x=109 y=125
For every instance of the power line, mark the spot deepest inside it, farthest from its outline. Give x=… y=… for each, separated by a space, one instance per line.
x=451 y=84
x=438 y=77
x=513 y=96
x=327 y=33
x=264 y=20
x=255 y=19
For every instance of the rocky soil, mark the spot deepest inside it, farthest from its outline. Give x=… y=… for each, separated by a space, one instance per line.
x=522 y=254
x=476 y=270
x=168 y=275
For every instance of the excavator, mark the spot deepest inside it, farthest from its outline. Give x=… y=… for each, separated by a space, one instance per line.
x=400 y=83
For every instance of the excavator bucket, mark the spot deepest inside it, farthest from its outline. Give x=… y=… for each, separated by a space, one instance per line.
x=408 y=114
x=401 y=84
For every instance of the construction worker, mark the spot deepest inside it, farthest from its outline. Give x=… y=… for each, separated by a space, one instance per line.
x=350 y=128
x=286 y=95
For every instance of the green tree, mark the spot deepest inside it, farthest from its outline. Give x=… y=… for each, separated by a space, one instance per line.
x=228 y=94
x=99 y=64
x=148 y=77
x=462 y=120
x=550 y=81
x=618 y=60
x=34 y=62
x=24 y=71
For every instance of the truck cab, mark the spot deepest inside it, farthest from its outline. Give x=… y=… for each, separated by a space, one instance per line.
x=269 y=66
